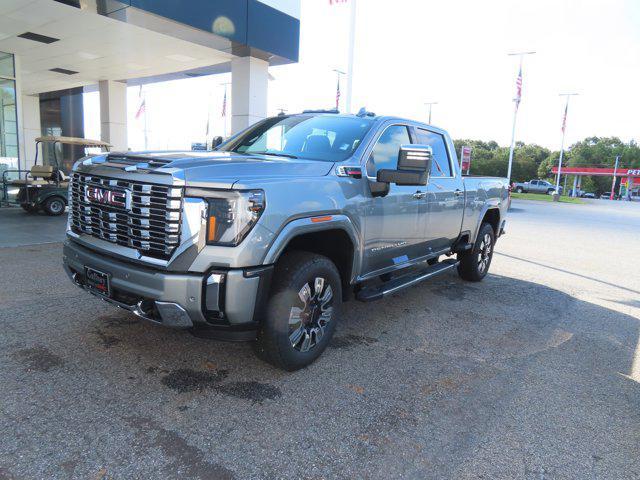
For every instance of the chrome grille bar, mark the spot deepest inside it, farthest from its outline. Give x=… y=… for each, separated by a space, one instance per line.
x=149 y=222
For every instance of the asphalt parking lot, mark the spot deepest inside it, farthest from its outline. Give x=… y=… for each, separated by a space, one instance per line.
x=533 y=373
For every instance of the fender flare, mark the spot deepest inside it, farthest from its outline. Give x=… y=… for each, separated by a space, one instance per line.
x=302 y=226
x=490 y=205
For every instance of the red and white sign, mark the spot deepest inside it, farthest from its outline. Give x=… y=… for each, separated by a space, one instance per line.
x=465 y=159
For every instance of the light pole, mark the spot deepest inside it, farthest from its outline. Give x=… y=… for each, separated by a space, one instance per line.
x=338 y=74
x=564 y=130
x=615 y=171
x=516 y=100
x=430 y=104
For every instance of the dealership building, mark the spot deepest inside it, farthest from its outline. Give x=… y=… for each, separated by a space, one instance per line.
x=52 y=51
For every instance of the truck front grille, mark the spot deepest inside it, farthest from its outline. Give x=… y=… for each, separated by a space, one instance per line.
x=132 y=214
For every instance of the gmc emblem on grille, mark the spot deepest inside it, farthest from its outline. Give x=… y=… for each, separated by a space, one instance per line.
x=105 y=197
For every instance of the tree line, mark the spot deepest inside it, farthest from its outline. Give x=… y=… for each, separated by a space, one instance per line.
x=531 y=161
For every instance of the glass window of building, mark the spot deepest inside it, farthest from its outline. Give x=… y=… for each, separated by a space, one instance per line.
x=8 y=115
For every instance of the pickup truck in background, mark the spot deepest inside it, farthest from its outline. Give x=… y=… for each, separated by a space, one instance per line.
x=264 y=238
x=535 y=186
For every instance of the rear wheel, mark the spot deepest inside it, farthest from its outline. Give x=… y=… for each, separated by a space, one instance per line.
x=474 y=264
x=519 y=190
x=302 y=311
x=54 y=206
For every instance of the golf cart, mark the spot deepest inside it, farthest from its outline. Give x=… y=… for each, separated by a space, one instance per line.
x=44 y=187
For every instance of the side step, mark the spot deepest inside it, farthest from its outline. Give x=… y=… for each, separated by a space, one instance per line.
x=369 y=294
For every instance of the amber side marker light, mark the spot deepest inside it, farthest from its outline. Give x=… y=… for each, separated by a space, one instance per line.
x=211 y=233
x=321 y=219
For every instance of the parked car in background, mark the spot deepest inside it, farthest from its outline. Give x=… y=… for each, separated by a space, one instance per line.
x=535 y=186
x=588 y=195
x=264 y=238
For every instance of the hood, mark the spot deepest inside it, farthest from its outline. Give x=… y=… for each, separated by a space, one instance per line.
x=226 y=168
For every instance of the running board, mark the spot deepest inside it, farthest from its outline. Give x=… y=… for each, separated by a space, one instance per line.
x=370 y=294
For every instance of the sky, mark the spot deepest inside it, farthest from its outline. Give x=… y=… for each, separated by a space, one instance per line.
x=452 y=52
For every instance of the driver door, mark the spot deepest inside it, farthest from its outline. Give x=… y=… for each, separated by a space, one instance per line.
x=393 y=224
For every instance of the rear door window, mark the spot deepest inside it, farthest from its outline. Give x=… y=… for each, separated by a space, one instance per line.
x=441 y=164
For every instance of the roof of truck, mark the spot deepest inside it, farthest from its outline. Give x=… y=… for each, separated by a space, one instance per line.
x=369 y=115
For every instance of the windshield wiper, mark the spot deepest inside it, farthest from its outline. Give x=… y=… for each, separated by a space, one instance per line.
x=277 y=154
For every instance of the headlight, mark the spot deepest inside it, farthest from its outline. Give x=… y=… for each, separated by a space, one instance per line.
x=231 y=214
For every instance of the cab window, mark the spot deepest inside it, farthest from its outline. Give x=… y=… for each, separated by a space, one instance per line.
x=440 y=166
x=385 y=152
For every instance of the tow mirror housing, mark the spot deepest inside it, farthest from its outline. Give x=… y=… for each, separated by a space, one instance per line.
x=414 y=166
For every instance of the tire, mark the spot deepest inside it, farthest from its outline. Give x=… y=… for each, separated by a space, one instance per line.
x=294 y=333
x=550 y=191
x=475 y=263
x=54 y=206
x=519 y=190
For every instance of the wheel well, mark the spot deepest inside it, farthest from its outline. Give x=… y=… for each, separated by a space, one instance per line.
x=492 y=217
x=334 y=244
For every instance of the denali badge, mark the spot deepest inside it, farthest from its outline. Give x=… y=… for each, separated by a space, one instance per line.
x=106 y=197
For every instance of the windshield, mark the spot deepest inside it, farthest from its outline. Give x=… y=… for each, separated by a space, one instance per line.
x=314 y=137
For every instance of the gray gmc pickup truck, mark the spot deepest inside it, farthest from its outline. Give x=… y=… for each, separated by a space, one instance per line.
x=265 y=237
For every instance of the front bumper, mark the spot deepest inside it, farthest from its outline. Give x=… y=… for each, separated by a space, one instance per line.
x=221 y=303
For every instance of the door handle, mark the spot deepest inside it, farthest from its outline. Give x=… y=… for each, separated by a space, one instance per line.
x=419 y=194
x=458 y=192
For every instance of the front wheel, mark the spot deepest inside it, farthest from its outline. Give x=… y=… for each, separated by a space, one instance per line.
x=474 y=264
x=302 y=311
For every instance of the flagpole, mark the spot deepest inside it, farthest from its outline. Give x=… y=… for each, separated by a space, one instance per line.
x=513 y=143
x=352 y=41
x=515 y=114
x=146 y=141
x=338 y=74
x=206 y=134
x=224 y=117
x=144 y=102
x=564 y=131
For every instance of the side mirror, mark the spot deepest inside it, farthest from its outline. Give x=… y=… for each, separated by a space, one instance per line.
x=414 y=167
x=217 y=141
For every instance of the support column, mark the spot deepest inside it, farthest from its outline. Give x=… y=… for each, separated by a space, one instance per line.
x=113 y=113
x=249 y=83
x=30 y=126
x=25 y=158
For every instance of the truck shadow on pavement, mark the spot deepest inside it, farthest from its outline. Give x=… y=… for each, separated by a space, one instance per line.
x=503 y=378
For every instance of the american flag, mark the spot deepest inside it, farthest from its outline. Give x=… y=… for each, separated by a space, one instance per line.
x=338 y=96
x=142 y=106
x=224 y=104
x=519 y=88
x=564 y=118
